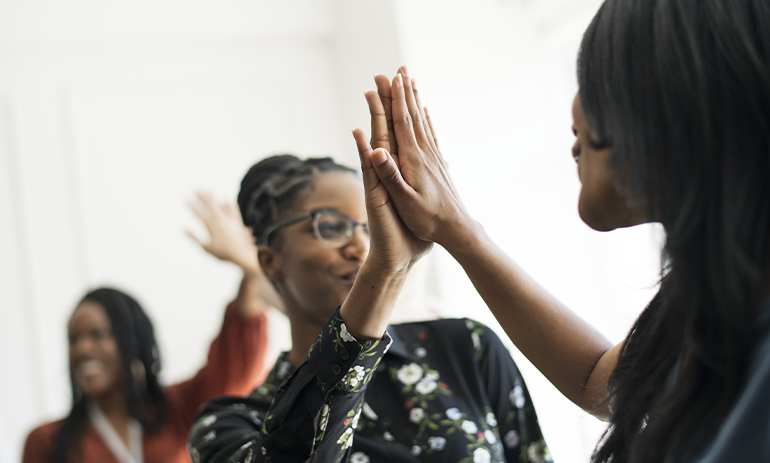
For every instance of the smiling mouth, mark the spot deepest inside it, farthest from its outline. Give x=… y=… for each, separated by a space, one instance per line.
x=89 y=368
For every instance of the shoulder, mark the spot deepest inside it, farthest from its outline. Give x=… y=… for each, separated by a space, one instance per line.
x=40 y=442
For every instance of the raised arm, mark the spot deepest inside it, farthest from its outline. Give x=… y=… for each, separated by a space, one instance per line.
x=231 y=241
x=574 y=356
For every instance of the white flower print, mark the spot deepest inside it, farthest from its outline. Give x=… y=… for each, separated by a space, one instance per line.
x=420 y=352
x=355 y=375
x=208 y=421
x=453 y=414
x=416 y=415
x=425 y=386
x=354 y=424
x=388 y=436
x=359 y=457
x=210 y=436
x=469 y=427
x=490 y=436
x=469 y=324
x=369 y=412
x=432 y=374
x=324 y=418
x=345 y=334
x=512 y=439
x=437 y=443
x=346 y=438
x=476 y=340
x=517 y=397
x=410 y=374
x=535 y=452
x=491 y=419
x=481 y=455
x=416 y=450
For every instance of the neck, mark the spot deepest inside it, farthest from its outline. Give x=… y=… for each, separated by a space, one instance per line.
x=114 y=404
x=304 y=332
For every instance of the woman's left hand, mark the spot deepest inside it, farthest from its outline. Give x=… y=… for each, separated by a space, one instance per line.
x=393 y=246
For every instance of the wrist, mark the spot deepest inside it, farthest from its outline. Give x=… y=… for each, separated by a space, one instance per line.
x=461 y=236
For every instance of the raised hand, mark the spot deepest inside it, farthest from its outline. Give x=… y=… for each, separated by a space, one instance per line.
x=416 y=177
x=229 y=239
x=393 y=245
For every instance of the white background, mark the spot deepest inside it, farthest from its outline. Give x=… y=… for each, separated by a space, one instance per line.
x=113 y=113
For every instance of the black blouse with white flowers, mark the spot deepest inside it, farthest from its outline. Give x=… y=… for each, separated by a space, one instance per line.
x=433 y=391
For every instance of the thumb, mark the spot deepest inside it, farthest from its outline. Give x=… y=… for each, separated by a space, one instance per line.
x=388 y=172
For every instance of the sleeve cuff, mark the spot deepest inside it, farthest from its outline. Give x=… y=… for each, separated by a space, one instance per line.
x=341 y=361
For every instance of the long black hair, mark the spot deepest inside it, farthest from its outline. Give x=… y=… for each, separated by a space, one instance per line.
x=680 y=89
x=135 y=337
x=272 y=187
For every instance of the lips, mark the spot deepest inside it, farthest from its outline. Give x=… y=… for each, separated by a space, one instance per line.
x=350 y=277
x=88 y=368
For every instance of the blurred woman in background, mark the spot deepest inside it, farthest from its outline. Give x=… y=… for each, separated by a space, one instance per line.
x=120 y=413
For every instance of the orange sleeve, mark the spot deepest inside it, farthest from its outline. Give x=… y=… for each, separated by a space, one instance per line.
x=39 y=445
x=235 y=365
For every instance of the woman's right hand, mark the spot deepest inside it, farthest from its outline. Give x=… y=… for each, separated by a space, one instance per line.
x=393 y=246
x=415 y=174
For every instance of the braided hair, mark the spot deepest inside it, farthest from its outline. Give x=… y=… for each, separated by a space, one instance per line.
x=271 y=188
x=135 y=337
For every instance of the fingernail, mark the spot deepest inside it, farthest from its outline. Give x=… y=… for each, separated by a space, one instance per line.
x=406 y=70
x=379 y=157
x=414 y=84
x=399 y=80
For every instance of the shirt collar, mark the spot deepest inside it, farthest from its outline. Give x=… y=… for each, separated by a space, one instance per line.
x=397 y=346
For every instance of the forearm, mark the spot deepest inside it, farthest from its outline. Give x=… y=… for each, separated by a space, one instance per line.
x=573 y=355
x=368 y=307
x=249 y=301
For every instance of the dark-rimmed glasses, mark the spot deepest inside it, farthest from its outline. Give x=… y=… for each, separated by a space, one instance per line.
x=331 y=227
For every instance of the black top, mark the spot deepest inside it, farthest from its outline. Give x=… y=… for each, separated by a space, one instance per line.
x=744 y=435
x=445 y=391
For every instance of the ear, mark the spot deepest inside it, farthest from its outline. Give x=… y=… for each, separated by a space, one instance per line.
x=270 y=262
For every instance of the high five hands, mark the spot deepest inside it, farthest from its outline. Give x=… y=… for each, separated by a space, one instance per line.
x=392 y=242
x=405 y=156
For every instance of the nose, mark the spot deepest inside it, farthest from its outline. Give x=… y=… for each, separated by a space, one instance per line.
x=82 y=346
x=358 y=248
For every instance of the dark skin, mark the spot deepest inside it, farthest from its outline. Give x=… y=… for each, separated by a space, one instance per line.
x=313 y=278
x=573 y=355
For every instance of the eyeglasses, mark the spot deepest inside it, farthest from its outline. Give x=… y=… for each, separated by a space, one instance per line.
x=330 y=226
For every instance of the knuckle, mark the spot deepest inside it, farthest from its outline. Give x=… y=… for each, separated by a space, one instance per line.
x=391 y=176
x=406 y=119
x=381 y=138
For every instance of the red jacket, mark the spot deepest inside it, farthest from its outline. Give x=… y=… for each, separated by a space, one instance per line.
x=235 y=366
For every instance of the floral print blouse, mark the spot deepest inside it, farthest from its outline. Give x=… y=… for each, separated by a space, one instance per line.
x=433 y=391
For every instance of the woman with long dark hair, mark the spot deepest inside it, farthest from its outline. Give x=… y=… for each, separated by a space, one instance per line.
x=120 y=413
x=672 y=125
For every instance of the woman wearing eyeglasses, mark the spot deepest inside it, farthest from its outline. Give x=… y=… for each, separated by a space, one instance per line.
x=348 y=391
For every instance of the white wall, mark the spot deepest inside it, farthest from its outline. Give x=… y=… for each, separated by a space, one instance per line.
x=112 y=114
